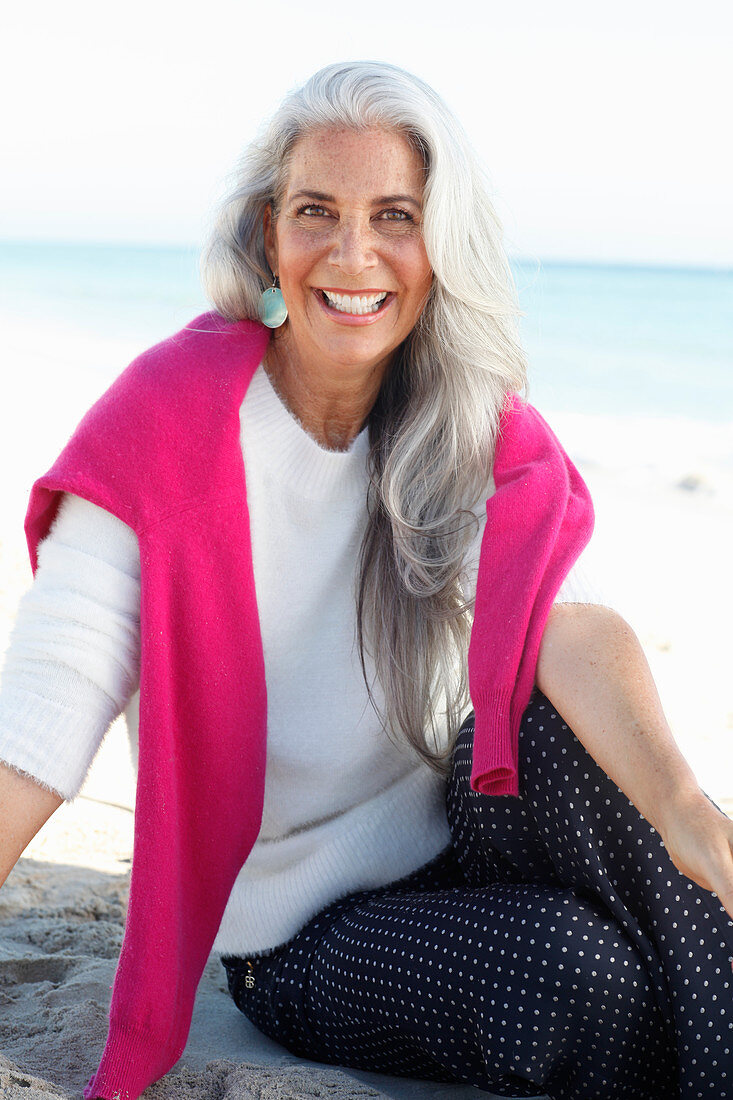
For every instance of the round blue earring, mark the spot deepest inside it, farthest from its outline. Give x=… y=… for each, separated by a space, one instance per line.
x=272 y=308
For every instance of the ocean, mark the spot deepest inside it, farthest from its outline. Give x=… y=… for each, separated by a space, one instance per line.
x=601 y=339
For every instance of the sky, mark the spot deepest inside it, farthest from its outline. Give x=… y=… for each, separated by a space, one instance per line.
x=605 y=128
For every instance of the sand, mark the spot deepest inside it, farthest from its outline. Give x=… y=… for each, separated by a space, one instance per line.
x=62 y=914
x=660 y=554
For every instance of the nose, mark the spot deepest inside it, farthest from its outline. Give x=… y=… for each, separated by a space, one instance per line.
x=353 y=250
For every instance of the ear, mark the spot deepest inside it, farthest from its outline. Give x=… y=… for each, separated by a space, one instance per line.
x=270 y=238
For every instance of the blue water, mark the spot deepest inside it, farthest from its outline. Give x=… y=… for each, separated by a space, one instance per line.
x=615 y=339
x=108 y=290
x=603 y=339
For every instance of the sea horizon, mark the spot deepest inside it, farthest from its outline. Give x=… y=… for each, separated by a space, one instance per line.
x=604 y=337
x=514 y=257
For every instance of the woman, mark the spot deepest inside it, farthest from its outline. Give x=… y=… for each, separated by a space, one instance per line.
x=396 y=884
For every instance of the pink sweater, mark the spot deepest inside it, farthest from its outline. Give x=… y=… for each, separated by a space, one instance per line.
x=161 y=450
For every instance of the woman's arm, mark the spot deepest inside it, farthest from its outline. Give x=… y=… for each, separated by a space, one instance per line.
x=593 y=669
x=71 y=667
x=24 y=807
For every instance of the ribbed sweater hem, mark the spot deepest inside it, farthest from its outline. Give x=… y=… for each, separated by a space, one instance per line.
x=132 y=1060
x=495 y=744
x=61 y=731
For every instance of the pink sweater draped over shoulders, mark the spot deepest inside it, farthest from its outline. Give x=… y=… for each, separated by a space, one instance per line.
x=161 y=450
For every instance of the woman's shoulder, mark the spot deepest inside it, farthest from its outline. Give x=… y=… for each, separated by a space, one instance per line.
x=205 y=352
x=191 y=382
x=164 y=430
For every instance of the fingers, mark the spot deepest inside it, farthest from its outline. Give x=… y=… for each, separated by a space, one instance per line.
x=724 y=882
x=708 y=861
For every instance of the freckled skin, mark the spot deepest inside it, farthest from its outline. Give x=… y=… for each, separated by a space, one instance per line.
x=329 y=373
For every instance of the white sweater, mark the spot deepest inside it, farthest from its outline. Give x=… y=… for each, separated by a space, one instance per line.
x=364 y=811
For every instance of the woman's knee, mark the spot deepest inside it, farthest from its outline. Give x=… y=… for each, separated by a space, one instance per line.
x=597 y=968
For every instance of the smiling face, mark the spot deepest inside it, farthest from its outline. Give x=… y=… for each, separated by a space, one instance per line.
x=347 y=246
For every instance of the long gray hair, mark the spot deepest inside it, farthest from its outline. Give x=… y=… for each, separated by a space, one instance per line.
x=433 y=428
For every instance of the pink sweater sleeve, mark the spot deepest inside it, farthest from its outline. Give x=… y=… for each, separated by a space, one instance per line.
x=538 y=521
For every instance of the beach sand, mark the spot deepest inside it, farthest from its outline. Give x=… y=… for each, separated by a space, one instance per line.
x=659 y=555
x=61 y=923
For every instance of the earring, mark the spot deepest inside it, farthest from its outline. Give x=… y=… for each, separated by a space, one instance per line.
x=272 y=308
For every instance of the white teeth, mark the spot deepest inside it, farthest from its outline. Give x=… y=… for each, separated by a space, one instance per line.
x=346 y=303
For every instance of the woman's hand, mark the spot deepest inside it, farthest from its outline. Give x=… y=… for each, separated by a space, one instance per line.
x=699 y=839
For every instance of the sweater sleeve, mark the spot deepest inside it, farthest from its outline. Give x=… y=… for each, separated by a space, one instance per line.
x=73 y=660
x=538 y=522
x=581 y=585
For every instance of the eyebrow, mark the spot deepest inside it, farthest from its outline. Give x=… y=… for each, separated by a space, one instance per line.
x=321 y=196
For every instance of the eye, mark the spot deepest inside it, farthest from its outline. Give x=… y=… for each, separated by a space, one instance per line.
x=312 y=209
x=396 y=215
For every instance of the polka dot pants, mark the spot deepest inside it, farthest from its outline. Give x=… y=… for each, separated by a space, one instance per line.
x=553 y=949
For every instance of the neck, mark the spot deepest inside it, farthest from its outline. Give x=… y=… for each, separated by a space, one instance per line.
x=331 y=404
